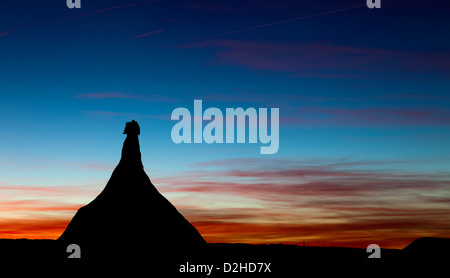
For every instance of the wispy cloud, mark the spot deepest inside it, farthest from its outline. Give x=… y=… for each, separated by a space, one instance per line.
x=289 y=20
x=392 y=233
x=102 y=113
x=18 y=191
x=208 y=7
x=328 y=202
x=36 y=205
x=339 y=202
x=123 y=95
x=83 y=14
x=147 y=34
x=111 y=114
x=325 y=60
x=372 y=116
x=32 y=212
x=37 y=228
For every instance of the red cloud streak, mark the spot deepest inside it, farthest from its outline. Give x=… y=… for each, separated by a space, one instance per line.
x=339 y=202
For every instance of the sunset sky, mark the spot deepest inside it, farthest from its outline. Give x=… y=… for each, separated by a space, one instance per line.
x=363 y=95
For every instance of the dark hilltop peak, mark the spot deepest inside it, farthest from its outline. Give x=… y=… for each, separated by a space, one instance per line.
x=130 y=216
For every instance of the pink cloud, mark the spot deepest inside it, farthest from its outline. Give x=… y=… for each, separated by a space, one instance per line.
x=107 y=114
x=381 y=116
x=2 y=34
x=9 y=31
x=96 y=166
x=290 y=179
x=325 y=60
x=20 y=192
x=121 y=95
x=210 y=7
x=35 y=205
x=367 y=117
x=276 y=190
x=45 y=228
x=328 y=202
x=390 y=233
x=148 y=34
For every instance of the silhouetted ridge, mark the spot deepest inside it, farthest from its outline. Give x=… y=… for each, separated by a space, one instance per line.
x=428 y=247
x=130 y=215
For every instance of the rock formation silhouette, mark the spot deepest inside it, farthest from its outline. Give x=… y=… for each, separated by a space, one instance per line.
x=130 y=217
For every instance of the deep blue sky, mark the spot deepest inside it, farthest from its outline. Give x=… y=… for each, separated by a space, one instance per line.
x=355 y=86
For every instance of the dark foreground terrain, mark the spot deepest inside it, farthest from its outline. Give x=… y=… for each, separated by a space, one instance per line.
x=228 y=260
